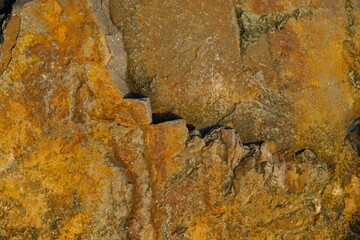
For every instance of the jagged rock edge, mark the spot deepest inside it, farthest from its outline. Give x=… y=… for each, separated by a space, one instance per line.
x=101 y=10
x=210 y=136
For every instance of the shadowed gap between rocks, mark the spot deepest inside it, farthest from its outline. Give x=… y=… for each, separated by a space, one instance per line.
x=352 y=134
x=133 y=95
x=5 y=11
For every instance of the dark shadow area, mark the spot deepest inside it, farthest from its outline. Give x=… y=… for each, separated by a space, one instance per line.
x=300 y=151
x=258 y=143
x=207 y=130
x=6 y=6
x=354 y=228
x=132 y=95
x=190 y=127
x=5 y=11
x=164 y=117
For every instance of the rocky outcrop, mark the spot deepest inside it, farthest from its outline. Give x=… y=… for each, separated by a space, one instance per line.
x=284 y=71
x=82 y=158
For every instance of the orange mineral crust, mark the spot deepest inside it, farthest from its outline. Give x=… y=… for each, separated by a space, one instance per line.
x=107 y=111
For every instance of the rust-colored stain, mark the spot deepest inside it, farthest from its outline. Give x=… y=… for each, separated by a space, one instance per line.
x=78 y=161
x=53 y=172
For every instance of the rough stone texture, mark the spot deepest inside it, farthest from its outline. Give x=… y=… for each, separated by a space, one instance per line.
x=82 y=159
x=285 y=71
x=58 y=179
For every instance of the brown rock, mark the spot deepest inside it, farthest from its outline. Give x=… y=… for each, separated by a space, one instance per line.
x=275 y=70
x=58 y=178
x=80 y=161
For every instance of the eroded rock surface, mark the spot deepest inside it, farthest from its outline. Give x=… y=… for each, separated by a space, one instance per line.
x=80 y=161
x=285 y=71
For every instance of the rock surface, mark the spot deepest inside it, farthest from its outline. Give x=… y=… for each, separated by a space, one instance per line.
x=285 y=71
x=80 y=158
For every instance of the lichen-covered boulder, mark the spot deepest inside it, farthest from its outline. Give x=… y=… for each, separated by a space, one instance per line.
x=83 y=158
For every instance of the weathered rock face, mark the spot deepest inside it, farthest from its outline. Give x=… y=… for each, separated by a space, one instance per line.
x=80 y=161
x=274 y=70
x=57 y=176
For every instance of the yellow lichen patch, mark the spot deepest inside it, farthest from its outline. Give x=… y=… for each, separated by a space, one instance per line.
x=56 y=173
x=326 y=105
x=74 y=227
x=58 y=167
x=201 y=230
x=79 y=162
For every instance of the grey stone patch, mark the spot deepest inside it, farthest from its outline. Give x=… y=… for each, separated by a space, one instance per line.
x=118 y=63
x=252 y=26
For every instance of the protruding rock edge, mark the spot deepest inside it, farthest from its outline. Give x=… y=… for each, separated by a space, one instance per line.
x=117 y=64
